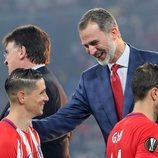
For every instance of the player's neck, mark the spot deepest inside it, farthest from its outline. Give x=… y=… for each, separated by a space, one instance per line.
x=21 y=122
x=144 y=108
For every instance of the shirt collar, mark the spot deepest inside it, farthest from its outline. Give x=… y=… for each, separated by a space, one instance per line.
x=123 y=59
x=38 y=66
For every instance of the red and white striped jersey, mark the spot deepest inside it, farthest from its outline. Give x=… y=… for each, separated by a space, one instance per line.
x=15 y=143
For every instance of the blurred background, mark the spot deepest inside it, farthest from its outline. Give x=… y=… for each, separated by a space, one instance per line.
x=59 y=18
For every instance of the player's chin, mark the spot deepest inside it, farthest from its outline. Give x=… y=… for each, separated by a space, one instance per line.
x=41 y=111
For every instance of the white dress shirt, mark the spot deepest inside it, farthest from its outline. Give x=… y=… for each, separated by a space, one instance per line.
x=123 y=61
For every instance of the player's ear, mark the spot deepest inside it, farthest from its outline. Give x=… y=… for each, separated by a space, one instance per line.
x=154 y=93
x=20 y=97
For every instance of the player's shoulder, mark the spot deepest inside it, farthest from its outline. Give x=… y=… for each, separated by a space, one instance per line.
x=135 y=121
x=140 y=122
x=7 y=131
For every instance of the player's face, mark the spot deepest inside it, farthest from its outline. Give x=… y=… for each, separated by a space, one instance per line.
x=36 y=99
x=100 y=45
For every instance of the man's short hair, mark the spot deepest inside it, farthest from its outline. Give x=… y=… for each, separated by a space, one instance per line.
x=21 y=79
x=145 y=78
x=34 y=39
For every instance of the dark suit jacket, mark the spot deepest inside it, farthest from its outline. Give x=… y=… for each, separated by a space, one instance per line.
x=58 y=148
x=93 y=95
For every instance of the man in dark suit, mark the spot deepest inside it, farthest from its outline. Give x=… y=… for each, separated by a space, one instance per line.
x=100 y=35
x=29 y=47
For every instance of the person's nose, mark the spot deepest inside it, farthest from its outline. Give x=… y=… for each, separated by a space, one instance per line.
x=46 y=98
x=92 y=50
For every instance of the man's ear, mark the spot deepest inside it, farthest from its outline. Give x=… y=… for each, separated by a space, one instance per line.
x=22 y=52
x=20 y=97
x=115 y=32
x=154 y=93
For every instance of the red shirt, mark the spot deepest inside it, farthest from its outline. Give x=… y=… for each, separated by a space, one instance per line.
x=133 y=137
x=12 y=144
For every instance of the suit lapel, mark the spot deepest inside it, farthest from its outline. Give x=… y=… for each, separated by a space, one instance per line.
x=107 y=99
x=135 y=60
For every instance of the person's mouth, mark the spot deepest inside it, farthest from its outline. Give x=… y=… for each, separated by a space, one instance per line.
x=100 y=55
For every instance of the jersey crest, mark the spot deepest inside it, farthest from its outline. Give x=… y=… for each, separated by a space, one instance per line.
x=151 y=144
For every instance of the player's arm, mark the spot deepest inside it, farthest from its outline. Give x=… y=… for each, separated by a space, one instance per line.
x=148 y=144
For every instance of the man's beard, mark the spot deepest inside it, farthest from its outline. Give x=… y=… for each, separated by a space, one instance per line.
x=110 y=52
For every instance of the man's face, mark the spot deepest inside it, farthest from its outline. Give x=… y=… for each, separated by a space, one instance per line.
x=11 y=56
x=100 y=45
x=35 y=99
